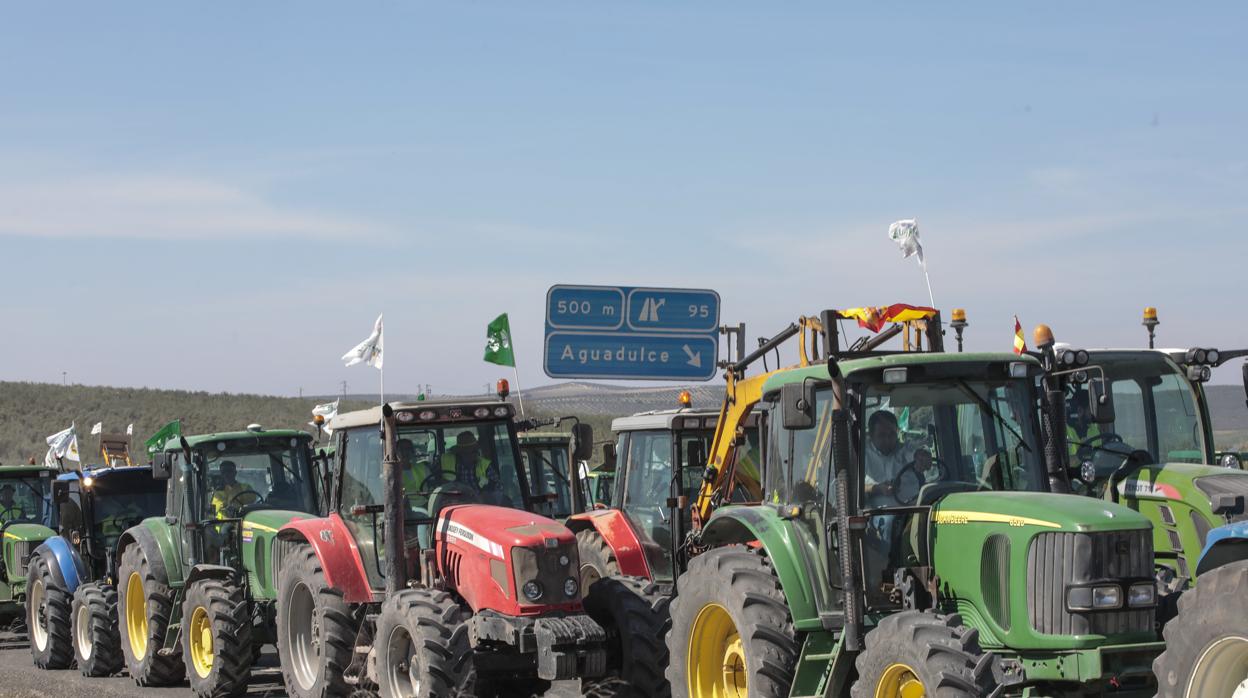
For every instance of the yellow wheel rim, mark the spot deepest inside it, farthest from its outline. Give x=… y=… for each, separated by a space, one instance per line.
x=900 y=681
x=715 y=663
x=201 y=641
x=136 y=616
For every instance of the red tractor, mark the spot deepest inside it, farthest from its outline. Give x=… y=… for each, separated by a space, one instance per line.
x=432 y=575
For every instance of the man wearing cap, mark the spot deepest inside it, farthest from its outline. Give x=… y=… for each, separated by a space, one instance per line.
x=10 y=510
x=232 y=493
x=464 y=462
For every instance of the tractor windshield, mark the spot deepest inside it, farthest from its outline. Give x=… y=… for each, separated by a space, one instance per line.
x=546 y=468
x=246 y=473
x=1156 y=411
x=121 y=499
x=25 y=500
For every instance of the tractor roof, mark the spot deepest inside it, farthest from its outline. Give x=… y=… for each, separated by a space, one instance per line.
x=372 y=415
x=661 y=419
x=545 y=437
x=24 y=470
x=198 y=439
x=100 y=472
x=852 y=366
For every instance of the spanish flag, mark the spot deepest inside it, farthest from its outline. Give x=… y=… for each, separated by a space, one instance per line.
x=874 y=318
x=1020 y=345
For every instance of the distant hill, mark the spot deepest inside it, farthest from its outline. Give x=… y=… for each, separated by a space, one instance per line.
x=31 y=411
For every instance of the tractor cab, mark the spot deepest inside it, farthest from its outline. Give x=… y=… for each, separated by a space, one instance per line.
x=99 y=503
x=550 y=470
x=27 y=518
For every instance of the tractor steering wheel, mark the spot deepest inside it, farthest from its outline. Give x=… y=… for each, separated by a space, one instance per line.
x=229 y=505
x=1096 y=443
x=915 y=481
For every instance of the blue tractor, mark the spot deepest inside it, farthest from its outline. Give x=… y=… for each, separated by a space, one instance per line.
x=72 y=599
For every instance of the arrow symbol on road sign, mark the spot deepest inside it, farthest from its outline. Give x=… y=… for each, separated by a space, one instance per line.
x=695 y=358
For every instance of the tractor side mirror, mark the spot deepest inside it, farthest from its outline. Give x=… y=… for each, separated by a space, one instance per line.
x=695 y=455
x=1100 y=401
x=798 y=405
x=583 y=435
x=162 y=466
x=608 y=456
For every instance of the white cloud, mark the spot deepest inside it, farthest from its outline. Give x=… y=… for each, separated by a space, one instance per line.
x=160 y=207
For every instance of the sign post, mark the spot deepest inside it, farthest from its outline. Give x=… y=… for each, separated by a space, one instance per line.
x=634 y=333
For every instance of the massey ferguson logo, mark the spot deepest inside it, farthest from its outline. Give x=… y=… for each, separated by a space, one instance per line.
x=461 y=532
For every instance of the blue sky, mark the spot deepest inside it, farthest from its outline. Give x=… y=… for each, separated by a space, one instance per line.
x=242 y=187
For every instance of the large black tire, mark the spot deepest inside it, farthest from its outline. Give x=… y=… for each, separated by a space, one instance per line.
x=743 y=585
x=422 y=646
x=97 y=642
x=47 y=616
x=635 y=614
x=936 y=650
x=146 y=664
x=315 y=641
x=597 y=558
x=216 y=637
x=1206 y=654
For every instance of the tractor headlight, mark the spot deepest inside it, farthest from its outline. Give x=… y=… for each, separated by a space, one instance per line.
x=1230 y=460
x=1142 y=594
x=1104 y=597
x=1212 y=356
x=571 y=587
x=532 y=590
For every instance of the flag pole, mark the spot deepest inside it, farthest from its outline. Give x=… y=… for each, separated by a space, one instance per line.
x=516 y=372
x=928 y=279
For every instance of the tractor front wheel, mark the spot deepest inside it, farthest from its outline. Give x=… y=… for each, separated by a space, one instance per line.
x=916 y=653
x=216 y=637
x=145 y=602
x=97 y=644
x=47 y=616
x=1206 y=643
x=315 y=630
x=732 y=634
x=634 y=612
x=422 y=646
x=597 y=559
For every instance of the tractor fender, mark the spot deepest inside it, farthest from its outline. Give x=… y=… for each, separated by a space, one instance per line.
x=1224 y=545
x=155 y=537
x=337 y=552
x=618 y=533
x=63 y=560
x=199 y=572
x=748 y=525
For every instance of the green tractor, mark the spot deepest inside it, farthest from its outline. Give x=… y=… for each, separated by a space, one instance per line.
x=27 y=518
x=197 y=586
x=908 y=544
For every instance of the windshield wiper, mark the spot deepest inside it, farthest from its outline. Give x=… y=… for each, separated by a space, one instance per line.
x=966 y=388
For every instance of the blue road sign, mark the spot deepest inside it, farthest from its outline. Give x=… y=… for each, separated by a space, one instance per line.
x=631 y=332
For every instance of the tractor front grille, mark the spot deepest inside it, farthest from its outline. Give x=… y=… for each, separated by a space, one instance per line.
x=21 y=554
x=1056 y=560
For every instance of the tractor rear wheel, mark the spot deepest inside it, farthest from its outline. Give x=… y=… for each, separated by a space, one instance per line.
x=597 y=559
x=1206 y=644
x=634 y=612
x=315 y=630
x=145 y=604
x=732 y=634
x=422 y=646
x=97 y=644
x=216 y=637
x=47 y=616
x=917 y=653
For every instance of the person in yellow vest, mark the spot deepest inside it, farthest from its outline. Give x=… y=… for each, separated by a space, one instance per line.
x=232 y=494
x=465 y=463
x=10 y=510
x=119 y=516
x=1080 y=429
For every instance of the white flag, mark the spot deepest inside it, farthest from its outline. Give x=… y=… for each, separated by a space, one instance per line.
x=906 y=235
x=130 y=430
x=369 y=350
x=62 y=445
x=98 y=428
x=328 y=410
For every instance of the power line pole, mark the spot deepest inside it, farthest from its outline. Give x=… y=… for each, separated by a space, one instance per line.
x=344 y=390
x=64 y=380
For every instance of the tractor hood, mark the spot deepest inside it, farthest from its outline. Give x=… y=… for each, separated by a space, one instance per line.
x=494 y=529
x=270 y=520
x=27 y=532
x=1055 y=512
x=259 y=529
x=1177 y=480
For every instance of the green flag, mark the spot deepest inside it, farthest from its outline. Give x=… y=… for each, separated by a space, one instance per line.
x=158 y=440
x=498 y=342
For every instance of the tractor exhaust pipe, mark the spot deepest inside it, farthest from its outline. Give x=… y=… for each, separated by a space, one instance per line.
x=392 y=479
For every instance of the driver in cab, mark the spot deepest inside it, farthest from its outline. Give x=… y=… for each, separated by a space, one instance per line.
x=887 y=456
x=232 y=494
x=10 y=510
x=1081 y=431
x=462 y=462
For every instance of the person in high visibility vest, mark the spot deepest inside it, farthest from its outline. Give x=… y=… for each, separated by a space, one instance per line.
x=1080 y=429
x=232 y=494
x=464 y=461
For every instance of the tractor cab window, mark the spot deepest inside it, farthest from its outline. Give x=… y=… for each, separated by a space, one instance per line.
x=546 y=469
x=1155 y=412
x=445 y=464
x=122 y=499
x=240 y=474
x=26 y=500
x=648 y=468
x=920 y=441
